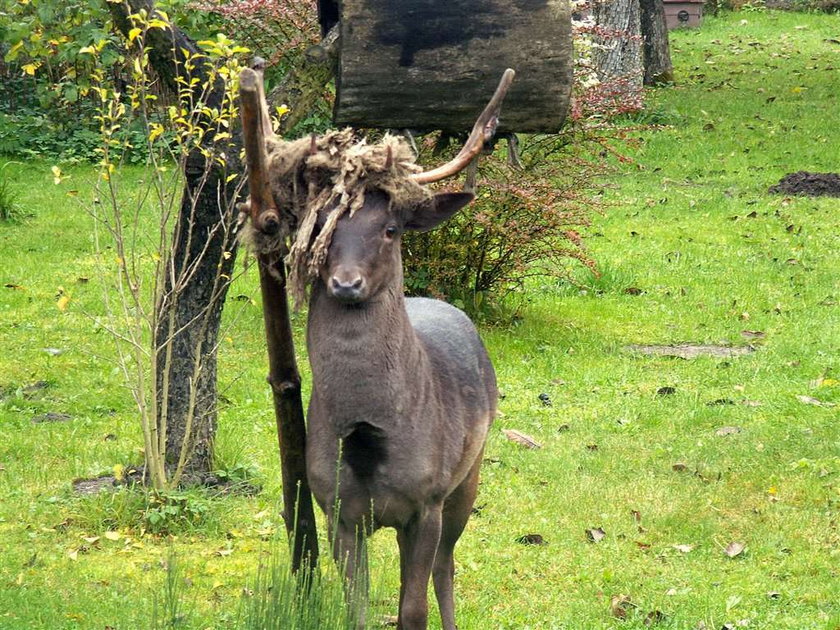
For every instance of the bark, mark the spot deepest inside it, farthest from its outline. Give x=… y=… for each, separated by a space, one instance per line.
x=656 y=51
x=283 y=375
x=426 y=66
x=304 y=85
x=328 y=15
x=618 y=53
x=204 y=231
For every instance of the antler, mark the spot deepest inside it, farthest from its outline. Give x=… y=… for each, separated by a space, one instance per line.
x=256 y=127
x=482 y=131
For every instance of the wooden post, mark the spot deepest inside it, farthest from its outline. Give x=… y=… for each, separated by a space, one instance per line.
x=283 y=375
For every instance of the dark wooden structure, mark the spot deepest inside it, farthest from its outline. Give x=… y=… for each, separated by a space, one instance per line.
x=431 y=64
x=683 y=13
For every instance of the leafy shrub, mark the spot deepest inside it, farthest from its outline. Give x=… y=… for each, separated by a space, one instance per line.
x=138 y=509
x=524 y=222
x=9 y=208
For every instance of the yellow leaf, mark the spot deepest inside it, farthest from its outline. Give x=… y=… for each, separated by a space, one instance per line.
x=119 y=472
x=134 y=33
x=155 y=130
x=90 y=50
x=14 y=51
x=63 y=301
x=30 y=68
x=57 y=177
x=829 y=382
x=112 y=535
x=73 y=554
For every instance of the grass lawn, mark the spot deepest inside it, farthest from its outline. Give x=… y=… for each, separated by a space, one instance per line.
x=631 y=444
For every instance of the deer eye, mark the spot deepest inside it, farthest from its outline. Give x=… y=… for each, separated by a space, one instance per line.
x=391 y=231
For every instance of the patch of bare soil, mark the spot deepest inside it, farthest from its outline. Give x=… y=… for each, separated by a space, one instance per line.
x=692 y=350
x=94 y=486
x=136 y=476
x=808 y=184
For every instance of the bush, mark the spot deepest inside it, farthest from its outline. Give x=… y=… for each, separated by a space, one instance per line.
x=9 y=208
x=524 y=223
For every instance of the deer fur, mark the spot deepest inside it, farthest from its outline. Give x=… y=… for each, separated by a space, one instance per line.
x=403 y=395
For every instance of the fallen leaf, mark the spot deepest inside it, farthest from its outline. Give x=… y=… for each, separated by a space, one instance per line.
x=633 y=291
x=545 y=399
x=679 y=467
x=724 y=431
x=562 y=428
x=720 y=401
x=683 y=548
x=753 y=334
x=531 y=539
x=112 y=535
x=666 y=391
x=223 y=552
x=521 y=438
x=810 y=400
x=595 y=534
x=620 y=605
x=774 y=595
x=734 y=549
x=62 y=303
x=654 y=617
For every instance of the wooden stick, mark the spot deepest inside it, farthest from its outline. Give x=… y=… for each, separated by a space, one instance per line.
x=283 y=375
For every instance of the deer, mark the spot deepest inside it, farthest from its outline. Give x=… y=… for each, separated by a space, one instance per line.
x=403 y=390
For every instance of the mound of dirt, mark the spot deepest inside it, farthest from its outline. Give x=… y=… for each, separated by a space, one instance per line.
x=808 y=184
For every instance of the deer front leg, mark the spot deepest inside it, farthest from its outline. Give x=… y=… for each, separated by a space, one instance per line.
x=421 y=539
x=350 y=552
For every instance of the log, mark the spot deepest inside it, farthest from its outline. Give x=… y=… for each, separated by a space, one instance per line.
x=430 y=64
x=283 y=375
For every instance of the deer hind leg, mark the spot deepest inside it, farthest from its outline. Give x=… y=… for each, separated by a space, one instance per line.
x=456 y=512
x=349 y=542
x=418 y=546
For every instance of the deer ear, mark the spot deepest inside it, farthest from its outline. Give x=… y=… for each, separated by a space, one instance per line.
x=436 y=210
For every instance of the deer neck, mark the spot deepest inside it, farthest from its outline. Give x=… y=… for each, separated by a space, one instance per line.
x=365 y=359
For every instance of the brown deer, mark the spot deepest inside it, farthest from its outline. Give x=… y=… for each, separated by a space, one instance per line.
x=403 y=392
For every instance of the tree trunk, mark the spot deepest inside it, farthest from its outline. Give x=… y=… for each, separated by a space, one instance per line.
x=655 y=49
x=617 y=54
x=204 y=232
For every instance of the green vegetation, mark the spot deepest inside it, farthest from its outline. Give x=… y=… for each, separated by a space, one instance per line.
x=673 y=459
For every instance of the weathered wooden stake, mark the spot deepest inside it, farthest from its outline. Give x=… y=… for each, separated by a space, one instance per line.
x=283 y=375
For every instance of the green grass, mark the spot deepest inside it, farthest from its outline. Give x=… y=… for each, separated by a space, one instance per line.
x=754 y=102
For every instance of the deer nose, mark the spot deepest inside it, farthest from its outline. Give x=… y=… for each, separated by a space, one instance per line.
x=347 y=290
